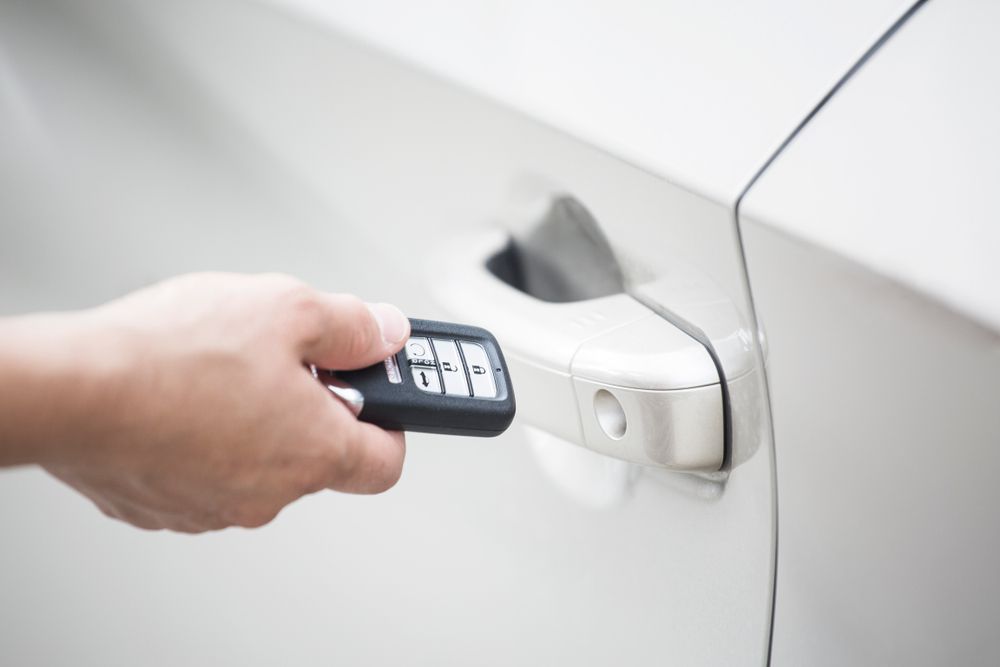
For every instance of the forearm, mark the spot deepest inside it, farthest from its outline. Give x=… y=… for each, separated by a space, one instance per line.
x=55 y=384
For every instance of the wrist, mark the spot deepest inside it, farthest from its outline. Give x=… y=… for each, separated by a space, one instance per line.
x=61 y=381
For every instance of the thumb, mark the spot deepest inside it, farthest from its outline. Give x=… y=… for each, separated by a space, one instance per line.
x=353 y=334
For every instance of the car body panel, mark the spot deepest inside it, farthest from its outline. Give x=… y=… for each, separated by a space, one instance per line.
x=871 y=244
x=699 y=93
x=898 y=171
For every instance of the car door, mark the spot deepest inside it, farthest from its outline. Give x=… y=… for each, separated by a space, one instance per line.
x=883 y=208
x=153 y=139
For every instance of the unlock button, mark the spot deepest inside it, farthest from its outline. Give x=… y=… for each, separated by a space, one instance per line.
x=452 y=370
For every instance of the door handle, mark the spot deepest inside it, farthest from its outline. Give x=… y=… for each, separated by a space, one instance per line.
x=606 y=373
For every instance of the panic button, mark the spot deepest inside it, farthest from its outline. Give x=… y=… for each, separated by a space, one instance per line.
x=484 y=385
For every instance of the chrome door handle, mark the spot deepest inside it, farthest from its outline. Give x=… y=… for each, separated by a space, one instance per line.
x=606 y=373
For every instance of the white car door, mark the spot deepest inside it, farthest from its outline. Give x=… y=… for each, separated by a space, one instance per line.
x=884 y=210
x=146 y=140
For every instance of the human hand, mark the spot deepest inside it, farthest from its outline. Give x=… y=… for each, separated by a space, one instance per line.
x=188 y=406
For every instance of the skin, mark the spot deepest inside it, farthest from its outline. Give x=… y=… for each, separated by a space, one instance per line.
x=186 y=405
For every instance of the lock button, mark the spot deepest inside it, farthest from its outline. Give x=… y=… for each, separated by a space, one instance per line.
x=484 y=385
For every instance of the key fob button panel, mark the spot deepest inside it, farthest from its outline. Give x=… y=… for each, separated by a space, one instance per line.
x=448 y=378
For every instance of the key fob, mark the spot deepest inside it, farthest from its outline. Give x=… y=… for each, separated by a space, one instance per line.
x=449 y=378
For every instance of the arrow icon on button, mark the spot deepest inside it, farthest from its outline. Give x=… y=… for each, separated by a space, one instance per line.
x=423 y=379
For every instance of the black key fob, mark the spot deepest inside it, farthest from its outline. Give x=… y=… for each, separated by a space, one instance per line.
x=449 y=378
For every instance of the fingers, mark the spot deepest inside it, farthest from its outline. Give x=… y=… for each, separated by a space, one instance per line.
x=345 y=333
x=370 y=460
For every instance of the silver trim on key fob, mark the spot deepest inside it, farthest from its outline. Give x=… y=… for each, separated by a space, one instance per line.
x=348 y=395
